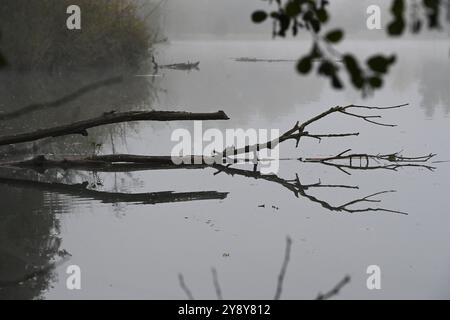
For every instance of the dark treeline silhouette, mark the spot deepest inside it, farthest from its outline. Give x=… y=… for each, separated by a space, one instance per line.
x=35 y=35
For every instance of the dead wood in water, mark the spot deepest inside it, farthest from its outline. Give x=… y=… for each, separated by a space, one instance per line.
x=111 y=117
x=81 y=191
x=391 y=161
x=221 y=160
x=184 y=66
x=104 y=163
x=125 y=163
x=299 y=129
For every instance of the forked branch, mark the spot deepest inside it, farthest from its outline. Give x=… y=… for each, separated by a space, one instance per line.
x=299 y=130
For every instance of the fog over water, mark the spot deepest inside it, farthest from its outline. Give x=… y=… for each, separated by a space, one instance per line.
x=136 y=247
x=230 y=19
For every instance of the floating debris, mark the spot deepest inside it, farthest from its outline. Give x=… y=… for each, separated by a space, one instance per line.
x=247 y=59
x=176 y=66
x=182 y=66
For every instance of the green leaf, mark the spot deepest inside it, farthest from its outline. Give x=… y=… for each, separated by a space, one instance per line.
x=285 y=22
x=376 y=82
x=334 y=36
x=356 y=74
x=396 y=27
x=336 y=82
x=304 y=65
x=259 y=16
x=315 y=24
x=380 y=63
x=398 y=7
x=430 y=3
x=327 y=68
x=322 y=15
x=293 y=9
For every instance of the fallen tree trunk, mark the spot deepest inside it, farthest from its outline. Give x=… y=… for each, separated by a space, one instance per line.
x=81 y=127
x=105 y=163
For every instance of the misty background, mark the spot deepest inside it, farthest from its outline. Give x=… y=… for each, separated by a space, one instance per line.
x=230 y=19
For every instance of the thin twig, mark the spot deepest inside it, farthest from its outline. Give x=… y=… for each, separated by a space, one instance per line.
x=393 y=161
x=283 y=269
x=184 y=287
x=334 y=291
x=216 y=284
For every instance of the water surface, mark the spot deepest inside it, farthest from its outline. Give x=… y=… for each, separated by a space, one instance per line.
x=135 y=250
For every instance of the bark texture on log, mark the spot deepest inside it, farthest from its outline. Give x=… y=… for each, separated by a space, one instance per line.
x=112 y=117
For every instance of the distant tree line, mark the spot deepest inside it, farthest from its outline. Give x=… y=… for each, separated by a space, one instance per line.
x=35 y=35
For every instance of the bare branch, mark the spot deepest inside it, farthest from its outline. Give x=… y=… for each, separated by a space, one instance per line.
x=299 y=130
x=368 y=198
x=379 y=108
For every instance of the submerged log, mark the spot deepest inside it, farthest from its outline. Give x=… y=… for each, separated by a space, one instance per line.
x=81 y=127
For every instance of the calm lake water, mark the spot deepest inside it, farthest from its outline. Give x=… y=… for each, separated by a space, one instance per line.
x=134 y=250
